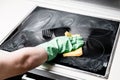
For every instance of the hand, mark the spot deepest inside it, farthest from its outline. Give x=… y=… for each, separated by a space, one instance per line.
x=61 y=45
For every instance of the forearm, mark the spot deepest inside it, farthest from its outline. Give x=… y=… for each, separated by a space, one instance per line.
x=22 y=60
x=30 y=57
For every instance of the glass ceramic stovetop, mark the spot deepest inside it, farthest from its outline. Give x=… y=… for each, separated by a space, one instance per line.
x=44 y=24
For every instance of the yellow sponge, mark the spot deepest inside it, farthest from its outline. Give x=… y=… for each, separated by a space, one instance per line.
x=77 y=52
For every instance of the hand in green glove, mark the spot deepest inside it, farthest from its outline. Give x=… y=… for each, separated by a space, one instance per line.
x=62 y=44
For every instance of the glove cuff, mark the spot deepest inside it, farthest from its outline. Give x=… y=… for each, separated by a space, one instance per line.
x=50 y=49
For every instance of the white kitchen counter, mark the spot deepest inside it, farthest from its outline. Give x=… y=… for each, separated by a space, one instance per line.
x=12 y=12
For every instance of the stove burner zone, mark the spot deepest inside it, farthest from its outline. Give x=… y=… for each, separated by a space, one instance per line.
x=93 y=49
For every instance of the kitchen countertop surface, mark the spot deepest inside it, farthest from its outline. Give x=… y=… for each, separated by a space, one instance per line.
x=12 y=12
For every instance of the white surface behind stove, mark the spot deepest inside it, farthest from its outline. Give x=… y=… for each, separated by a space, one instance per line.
x=12 y=12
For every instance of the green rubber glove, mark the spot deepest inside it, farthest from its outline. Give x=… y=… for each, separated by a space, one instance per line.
x=62 y=44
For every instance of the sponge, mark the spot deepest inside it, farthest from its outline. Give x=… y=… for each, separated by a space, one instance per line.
x=77 y=52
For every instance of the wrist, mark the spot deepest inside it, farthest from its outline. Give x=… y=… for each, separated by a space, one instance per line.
x=50 y=49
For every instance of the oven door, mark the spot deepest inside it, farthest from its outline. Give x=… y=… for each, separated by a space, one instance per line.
x=99 y=31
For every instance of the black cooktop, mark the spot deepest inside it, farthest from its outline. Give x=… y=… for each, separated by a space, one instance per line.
x=44 y=24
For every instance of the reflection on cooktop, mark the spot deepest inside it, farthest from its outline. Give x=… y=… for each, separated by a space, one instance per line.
x=44 y=24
